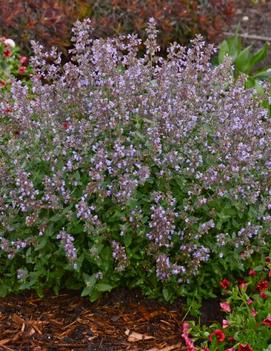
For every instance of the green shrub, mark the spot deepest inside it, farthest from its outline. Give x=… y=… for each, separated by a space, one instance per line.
x=116 y=170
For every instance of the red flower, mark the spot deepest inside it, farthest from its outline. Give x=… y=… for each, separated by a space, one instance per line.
x=225 y=307
x=2 y=83
x=185 y=334
x=65 y=125
x=8 y=109
x=218 y=333
x=263 y=285
x=16 y=133
x=7 y=53
x=267 y=321
x=249 y=301
x=263 y=295
x=253 y=312
x=225 y=283
x=246 y=347
x=231 y=339
x=241 y=281
x=225 y=323
x=23 y=60
x=21 y=69
x=230 y=349
x=243 y=286
x=252 y=273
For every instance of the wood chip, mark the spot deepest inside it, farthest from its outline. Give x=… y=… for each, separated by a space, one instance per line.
x=134 y=336
x=17 y=319
x=167 y=348
x=4 y=342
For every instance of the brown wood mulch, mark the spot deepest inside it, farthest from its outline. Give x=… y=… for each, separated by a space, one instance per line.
x=122 y=320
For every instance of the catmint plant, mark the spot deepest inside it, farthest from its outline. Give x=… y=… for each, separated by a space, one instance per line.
x=122 y=169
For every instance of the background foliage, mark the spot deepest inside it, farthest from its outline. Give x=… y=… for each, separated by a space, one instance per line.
x=50 y=21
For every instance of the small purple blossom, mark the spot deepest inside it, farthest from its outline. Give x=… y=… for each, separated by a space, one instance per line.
x=67 y=242
x=161 y=225
x=119 y=255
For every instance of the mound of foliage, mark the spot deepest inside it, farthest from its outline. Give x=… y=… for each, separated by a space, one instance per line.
x=50 y=21
x=117 y=169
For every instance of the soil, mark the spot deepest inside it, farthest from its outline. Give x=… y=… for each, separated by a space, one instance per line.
x=124 y=319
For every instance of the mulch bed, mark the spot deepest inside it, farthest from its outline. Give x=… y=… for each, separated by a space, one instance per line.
x=122 y=320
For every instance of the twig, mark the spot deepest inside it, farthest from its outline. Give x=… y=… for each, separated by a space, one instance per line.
x=249 y=36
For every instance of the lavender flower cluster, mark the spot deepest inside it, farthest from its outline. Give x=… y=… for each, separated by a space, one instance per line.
x=67 y=242
x=170 y=152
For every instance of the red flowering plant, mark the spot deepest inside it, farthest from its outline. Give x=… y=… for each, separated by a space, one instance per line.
x=12 y=64
x=246 y=325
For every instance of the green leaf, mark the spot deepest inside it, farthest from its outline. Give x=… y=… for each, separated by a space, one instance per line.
x=56 y=289
x=94 y=296
x=166 y=294
x=259 y=55
x=86 y=291
x=243 y=61
x=42 y=243
x=250 y=83
x=90 y=281
x=263 y=74
x=258 y=268
x=234 y=45
x=127 y=239
x=106 y=259
x=4 y=290
x=104 y=287
x=223 y=51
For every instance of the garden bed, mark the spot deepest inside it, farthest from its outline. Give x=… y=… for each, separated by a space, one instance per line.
x=122 y=319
